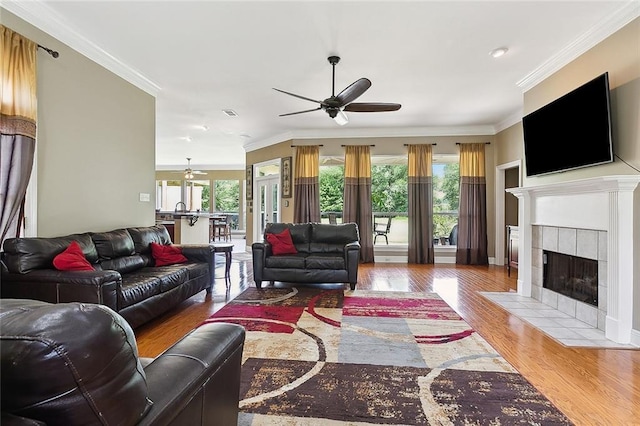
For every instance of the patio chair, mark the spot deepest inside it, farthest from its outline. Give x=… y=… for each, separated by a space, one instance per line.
x=380 y=229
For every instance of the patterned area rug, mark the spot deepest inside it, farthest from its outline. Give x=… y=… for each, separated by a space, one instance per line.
x=318 y=357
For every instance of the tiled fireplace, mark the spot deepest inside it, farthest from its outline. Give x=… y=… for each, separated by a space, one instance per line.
x=595 y=219
x=583 y=244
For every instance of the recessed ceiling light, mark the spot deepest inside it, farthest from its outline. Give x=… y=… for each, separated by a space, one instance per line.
x=204 y=127
x=500 y=51
x=230 y=112
x=187 y=138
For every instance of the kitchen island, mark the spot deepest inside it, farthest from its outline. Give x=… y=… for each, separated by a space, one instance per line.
x=188 y=227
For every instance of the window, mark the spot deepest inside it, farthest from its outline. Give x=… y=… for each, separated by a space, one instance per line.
x=446 y=196
x=331 y=192
x=389 y=194
x=168 y=194
x=227 y=199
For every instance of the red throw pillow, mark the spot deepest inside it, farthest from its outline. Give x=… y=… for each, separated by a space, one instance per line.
x=167 y=254
x=72 y=259
x=281 y=243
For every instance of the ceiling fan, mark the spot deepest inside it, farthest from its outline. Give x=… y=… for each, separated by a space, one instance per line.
x=335 y=106
x=189 y=173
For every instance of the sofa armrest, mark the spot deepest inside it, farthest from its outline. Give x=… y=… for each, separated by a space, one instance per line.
x=201 y=253
x=260 y=251
x=50 y=285
x=352 y=259
x=197 y=380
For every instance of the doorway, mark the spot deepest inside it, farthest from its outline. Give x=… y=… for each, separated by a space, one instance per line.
x=268 y=192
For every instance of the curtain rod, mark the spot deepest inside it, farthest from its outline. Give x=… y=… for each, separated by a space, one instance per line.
x=295 y=146
x=355 y=145
x=407 y=144
x=49 y=51
x=486 y=143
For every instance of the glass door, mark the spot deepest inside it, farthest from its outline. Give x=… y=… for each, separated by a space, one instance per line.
x=268 y=191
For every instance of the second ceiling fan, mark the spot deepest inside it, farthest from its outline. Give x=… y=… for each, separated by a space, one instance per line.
x=336 y=105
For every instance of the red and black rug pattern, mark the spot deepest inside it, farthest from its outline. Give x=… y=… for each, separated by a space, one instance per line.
x=315 y=356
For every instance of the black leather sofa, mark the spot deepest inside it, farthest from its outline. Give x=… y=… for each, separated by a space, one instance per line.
x=125 y=278
x=326 y=253
x=77 y=364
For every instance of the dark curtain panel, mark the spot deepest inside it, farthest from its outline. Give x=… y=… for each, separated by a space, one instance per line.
x=306 y=184
x=420 y=204
x=472 y=221
x=17 y=127
x=357 y=197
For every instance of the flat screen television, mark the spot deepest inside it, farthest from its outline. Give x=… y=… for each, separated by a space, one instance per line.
x=571 y=132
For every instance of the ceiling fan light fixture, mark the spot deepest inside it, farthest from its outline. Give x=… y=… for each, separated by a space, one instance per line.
x=341 y=118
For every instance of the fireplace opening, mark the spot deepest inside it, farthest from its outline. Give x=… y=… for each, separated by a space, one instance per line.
x=572 y=276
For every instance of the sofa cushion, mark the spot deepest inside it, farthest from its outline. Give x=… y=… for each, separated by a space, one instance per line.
x=166 y=254
x=326 y=261
x=170 y=276
x=113 y=244
x=137 y=287
x=196 y=269
x=326 y=238
x=124 y=264
x=300 y=233
x=287 y=261
x=48 y=375
x=144 y=236
x=72 y=259
x=22 y=255
x=281 y=243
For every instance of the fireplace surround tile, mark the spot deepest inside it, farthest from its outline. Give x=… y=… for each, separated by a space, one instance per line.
x=567 y=305
x=567 y=241
x=588 y=314
x=550 y=298
x=550 y=238
x=602 y=245
x=587 y=244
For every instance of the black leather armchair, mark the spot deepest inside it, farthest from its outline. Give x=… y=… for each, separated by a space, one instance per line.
x=77 y=364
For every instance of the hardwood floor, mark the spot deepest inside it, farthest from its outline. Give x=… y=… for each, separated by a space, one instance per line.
x=591 y=386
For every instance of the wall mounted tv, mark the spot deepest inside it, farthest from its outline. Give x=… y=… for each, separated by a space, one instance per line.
x=571 y=132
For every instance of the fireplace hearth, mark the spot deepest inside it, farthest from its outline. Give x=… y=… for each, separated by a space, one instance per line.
x=572 y=276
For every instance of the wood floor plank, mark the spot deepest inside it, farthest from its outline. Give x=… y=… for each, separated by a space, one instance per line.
x=591 y=386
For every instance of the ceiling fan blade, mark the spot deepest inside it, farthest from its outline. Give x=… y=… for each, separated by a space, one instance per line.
x=353 y=91
x=300 y=112
x=372 y=107
x=296 y=96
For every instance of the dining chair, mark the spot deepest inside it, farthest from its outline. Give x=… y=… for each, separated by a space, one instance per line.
x=380 y=229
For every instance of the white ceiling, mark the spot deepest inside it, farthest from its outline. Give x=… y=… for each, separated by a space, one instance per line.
x=201 y=57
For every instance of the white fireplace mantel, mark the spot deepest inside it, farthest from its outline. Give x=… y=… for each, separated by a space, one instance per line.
x=603 y=203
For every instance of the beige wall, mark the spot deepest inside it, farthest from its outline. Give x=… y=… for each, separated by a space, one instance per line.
x=95 y=143
x=273 y=152
x=509 y=144
x=619 y=55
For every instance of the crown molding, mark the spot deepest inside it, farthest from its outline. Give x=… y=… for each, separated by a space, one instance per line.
x=625 y=14
x=509 y=121
x=41 y=16
x=371 y=133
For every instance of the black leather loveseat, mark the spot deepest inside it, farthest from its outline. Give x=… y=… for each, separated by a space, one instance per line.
x=124 y=278
x=77 y=364
x=324 y=253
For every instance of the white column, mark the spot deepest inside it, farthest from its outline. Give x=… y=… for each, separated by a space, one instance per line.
x=621 y=270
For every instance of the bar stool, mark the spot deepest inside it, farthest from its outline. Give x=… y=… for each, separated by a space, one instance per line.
x=222 y=228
